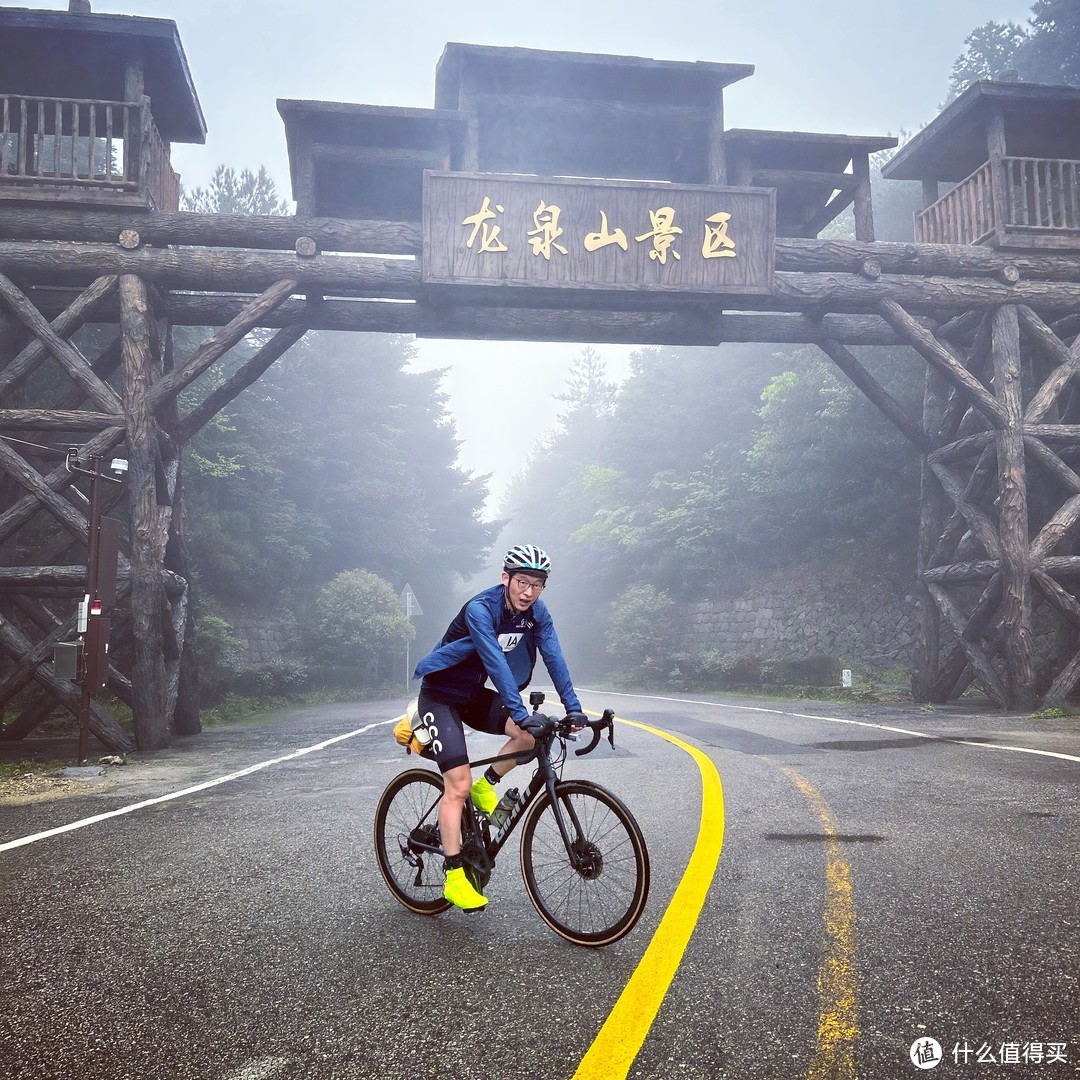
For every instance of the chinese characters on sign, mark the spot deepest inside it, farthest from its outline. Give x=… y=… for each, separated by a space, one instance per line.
x=502 y=229
x=715 y=244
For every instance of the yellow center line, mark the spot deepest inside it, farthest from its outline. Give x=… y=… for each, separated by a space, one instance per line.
x=838 y=976
x=619 y=1040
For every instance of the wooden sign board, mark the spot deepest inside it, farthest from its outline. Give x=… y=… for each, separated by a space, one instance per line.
x=527 y=231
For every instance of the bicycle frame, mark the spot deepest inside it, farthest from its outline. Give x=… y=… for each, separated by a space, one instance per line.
x=545 y=778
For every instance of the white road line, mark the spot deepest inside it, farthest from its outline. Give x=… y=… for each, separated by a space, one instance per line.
x=841 y=720
x=33 y=838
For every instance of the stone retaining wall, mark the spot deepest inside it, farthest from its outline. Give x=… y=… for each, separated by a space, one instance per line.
x=865 y=620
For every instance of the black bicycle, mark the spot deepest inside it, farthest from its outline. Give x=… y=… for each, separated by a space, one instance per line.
x=583 y=857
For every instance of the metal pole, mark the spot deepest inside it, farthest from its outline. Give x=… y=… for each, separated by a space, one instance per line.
x=87 y=691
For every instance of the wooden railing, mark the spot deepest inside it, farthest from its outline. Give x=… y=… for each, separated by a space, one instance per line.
x=964 y=215
x=1042 y=192
x=1039 y=193
x=82 y=145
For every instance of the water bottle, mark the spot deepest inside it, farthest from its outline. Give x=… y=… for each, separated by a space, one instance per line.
x=506 y=806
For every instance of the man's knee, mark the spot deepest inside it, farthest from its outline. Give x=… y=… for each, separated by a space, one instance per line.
x=457 y=782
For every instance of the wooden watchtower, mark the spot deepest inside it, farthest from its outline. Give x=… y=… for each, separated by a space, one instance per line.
x=89 y=105
x=544 y=196
x=1001 y=491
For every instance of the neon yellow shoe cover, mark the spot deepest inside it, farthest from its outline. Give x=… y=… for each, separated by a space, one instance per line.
x=460 y=892
x=484 y=796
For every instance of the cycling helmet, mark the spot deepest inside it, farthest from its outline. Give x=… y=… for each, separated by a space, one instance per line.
x=528 y=558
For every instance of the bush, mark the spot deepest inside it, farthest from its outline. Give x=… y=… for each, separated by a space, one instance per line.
x=643 y=635
x=282 y=678
x=358 y=627
x=216 y=652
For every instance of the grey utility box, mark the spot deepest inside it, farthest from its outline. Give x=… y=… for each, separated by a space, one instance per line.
x=66 y=655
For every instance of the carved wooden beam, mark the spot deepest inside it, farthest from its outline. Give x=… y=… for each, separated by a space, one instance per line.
x=76 y=365
x=980 y=663
x=942 y=357
x=81 y=309
x=282 y=341
x=215 y=346
x=854 y=370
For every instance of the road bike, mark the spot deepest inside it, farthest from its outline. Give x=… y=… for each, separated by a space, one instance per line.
x=583 y=856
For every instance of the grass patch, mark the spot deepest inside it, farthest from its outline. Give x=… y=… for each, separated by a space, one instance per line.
x=16 y=770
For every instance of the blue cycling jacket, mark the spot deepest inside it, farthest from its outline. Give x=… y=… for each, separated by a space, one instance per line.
x=488 y=639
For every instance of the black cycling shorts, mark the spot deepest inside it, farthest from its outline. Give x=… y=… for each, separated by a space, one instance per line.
x=485 y=712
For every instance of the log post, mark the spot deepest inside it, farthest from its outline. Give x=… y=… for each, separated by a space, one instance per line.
x=1013 y=516
x=863 y=209
x=148 y=673
x=931 y=516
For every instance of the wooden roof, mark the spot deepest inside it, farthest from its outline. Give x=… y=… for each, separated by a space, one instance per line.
x=357 y=161
x=586 y=114
x=1040 y=121
x=805 y=150
x=588 y=76
x=61 y=54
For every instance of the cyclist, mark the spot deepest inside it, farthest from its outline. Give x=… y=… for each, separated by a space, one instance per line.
x=495 y=636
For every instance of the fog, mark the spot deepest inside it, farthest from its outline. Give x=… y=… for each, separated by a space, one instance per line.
x=847 y=66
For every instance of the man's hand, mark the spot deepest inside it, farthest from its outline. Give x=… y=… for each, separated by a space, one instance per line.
x=577 y=719
x=536 y=724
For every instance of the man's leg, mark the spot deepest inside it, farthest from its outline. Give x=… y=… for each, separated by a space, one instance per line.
x=456 y=784
x=518 y=742
x=458 y=889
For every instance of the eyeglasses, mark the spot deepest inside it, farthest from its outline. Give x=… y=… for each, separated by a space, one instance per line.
x=527 y=585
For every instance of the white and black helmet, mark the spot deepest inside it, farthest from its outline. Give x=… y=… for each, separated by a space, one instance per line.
x=527 y=558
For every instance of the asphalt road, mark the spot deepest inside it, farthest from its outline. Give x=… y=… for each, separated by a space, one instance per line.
x=907 y=876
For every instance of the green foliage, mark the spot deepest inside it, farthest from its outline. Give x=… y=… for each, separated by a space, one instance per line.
x=643 y=632
x=230 y=193
x=216 y=655
x=1047 y=50
x=16 y=770
x=358 y=626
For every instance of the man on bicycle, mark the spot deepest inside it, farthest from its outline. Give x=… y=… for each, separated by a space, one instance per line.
x=495 y=636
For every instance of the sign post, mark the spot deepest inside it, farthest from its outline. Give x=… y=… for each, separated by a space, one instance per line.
x=412 y=607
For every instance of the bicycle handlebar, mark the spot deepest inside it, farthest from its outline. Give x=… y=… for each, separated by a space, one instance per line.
x=564 y=727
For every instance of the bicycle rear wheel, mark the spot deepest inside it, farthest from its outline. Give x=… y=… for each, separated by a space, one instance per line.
x=600 y=901
x=407 y=818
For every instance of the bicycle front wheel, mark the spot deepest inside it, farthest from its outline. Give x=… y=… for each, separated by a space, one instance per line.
x=406 y=828
x=599 y=900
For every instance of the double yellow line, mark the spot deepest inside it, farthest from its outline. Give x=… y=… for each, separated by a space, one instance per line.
x=620 y=1038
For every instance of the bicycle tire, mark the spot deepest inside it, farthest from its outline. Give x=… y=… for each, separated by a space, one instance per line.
x=602 y=904
x=406 y=805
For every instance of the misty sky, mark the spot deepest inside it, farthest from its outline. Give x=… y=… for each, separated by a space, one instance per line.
x=867 y=67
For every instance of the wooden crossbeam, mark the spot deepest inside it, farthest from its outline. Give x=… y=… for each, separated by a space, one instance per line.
x=1052 y=463
x=218 y=343
x=73 y=361
x=984 y=529
x=77 y=313
x=850 y=365
x=979 y=661
x=102 y=724
x=29 y=478
x=943 y=358
x=280 y=343
x=1067 y=360
x=1055 y=530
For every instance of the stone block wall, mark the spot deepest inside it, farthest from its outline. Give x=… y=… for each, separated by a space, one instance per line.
x=865 y=619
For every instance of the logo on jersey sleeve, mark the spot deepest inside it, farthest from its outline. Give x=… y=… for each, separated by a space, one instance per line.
x=509 y=642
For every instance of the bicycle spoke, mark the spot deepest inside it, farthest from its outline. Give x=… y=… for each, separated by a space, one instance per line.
x=406 y=829
x=598 y=896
